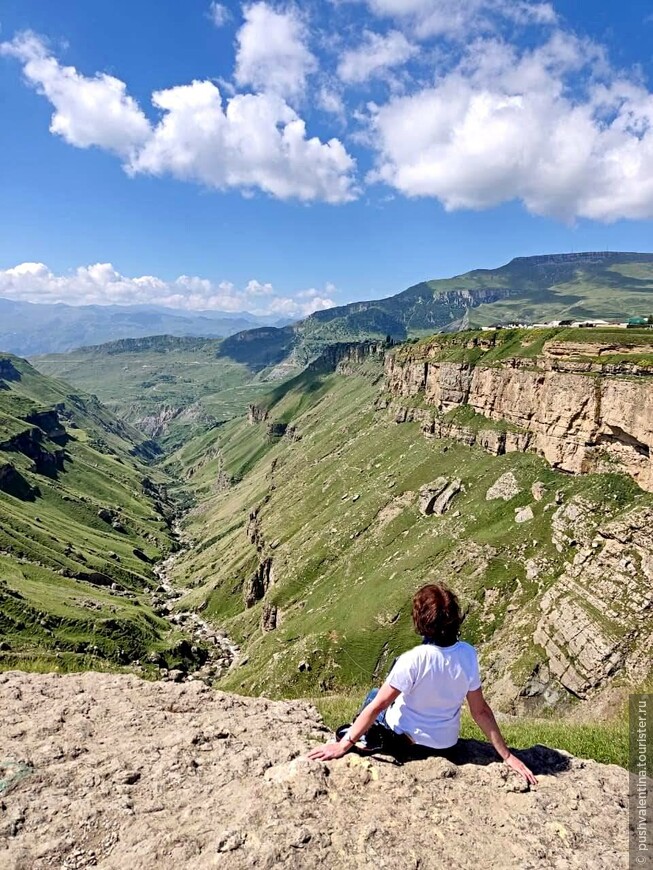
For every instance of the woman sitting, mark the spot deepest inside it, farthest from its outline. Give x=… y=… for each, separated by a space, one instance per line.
x=421 y=699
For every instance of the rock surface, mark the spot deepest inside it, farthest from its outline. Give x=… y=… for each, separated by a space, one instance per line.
x=578 y=423
x=596 y=617
x=506 y=487
x=435 y=498
x=126 y=773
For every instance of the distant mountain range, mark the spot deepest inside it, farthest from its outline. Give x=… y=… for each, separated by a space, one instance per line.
x=528 y=289
x=28 y=328
x=607 y=285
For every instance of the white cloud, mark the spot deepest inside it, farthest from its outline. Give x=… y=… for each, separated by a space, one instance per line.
x=374 y=56
x=331 y=101
x=272 y=51
x=219 y=14
x=504 y=125
x=88 y=111
x=254 y=142
x=101 y=284
x=460 y=18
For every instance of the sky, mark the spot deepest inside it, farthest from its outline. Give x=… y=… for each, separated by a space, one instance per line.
x=281 y=157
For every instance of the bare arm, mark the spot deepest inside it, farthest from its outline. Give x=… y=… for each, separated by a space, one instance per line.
x=484 y=717
x=362 y=724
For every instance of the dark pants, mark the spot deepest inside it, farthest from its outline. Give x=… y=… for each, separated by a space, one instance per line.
x=400 y=744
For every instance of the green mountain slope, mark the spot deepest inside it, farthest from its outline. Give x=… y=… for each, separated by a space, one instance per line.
x=528 y=289
x=171 y=387
x=310 y=538
x=82 y=519
x=168 y=387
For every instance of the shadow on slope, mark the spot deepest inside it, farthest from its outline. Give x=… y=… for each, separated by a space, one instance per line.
x=258 y=348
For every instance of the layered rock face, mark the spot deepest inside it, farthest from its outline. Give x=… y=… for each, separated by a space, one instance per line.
x=578 y=422
x=596 y=619
x=202 y=779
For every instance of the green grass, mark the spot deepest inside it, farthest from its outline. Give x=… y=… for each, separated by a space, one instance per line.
x=350 y=546
x=137 y=379
x=58 y=558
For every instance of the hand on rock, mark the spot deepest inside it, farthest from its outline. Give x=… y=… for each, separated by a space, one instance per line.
x=328 y=752
x=521 y=768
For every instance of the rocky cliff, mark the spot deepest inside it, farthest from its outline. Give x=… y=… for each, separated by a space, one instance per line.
x=198 y=778
x=585 y=405
x=579 y=414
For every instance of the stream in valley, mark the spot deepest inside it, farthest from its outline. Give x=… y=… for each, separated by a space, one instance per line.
x=223 y=653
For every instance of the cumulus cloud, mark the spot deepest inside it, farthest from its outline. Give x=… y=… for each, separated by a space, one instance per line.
x=454 y=18
x=88 y=111
x=374 y=56
x=506 y=125
x=273 y=54
x=219 y=14
x=102 y=284
x=253 y=142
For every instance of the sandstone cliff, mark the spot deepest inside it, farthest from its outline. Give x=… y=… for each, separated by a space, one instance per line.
x=581 y=416
x=107 y=771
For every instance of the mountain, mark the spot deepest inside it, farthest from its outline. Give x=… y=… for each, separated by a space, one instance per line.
x=29 y=328
x=528 y=289
x=610 y=286
x=167 y=387
x=83 y=519
x=514 y=465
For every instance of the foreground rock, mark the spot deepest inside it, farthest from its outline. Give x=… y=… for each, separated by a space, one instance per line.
x=156 y=775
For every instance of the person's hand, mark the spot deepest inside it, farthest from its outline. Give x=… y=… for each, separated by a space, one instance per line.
x=521 y=768
x=329 y=751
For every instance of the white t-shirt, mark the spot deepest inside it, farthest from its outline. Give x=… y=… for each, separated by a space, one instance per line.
x=433 y=681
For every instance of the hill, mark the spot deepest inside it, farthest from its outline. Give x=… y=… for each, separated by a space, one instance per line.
x=167 y=386
x=82 y=521
x=195 y=778
x=611 y=286
x=343 y=491
x=28 y=328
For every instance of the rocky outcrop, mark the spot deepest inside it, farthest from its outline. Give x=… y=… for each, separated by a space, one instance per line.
x=579 y=423
x=202 y=779
x=258 y=583
x=505 y=488
x=8 y=371
x=269 y=617
x=159 y=424
x=13 y=483
x=345 y=355
x=256 y=414
x=596 y=619
x=32 y=443
x=435 y=498
x=49 y=422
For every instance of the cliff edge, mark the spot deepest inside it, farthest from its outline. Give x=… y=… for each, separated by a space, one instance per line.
x=99 y=770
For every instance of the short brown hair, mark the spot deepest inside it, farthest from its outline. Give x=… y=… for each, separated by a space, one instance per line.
x=437 y=615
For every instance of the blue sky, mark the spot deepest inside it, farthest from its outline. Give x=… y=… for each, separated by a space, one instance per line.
x=277 y=157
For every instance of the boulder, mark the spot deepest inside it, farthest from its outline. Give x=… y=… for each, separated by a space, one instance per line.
x=436 y=497
x=538 y=490
x=429 y=493
x=524 y=514
x=506 y=487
